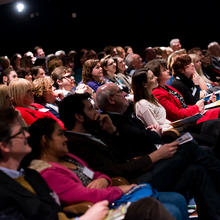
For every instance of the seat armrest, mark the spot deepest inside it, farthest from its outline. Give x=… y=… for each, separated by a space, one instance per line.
x=119 y=180
x=78 y=208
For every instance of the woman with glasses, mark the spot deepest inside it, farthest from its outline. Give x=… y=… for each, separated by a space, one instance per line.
x=109 y=71
x=121 y=73
x=21 y=91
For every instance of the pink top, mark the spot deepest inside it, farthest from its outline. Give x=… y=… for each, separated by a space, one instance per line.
x=70 y=188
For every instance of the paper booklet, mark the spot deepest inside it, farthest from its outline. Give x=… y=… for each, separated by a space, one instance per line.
x=187 y=121
x=213 y=105
x=119 y=213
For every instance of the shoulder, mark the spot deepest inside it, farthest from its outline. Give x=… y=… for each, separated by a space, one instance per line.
x=143 y=103
x=159 y=91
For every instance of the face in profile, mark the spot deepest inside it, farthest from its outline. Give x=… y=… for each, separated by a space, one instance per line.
x=56 y=145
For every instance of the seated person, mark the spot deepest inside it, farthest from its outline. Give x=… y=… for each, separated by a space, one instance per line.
x=63 y=80
x=24 y=195
x=211 y=86
x=109 y=71
x=184 y=71
x=150 y=111
x=165 y=174
x=7 y=76
x=5 y=100
x=169 y=97
x=64 y=83
x=21 y=93
x=68 y=175
x=89 y=132
x=44 y=94
x=37 y=72
x=92 y=74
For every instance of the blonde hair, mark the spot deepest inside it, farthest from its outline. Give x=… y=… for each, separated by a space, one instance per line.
x=4 y=95
x=18 y=89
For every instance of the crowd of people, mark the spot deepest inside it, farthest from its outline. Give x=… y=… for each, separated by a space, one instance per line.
x=70 y=122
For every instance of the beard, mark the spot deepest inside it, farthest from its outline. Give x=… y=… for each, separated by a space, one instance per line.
x=91 y=125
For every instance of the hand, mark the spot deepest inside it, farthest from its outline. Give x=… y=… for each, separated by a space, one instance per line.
x=212 y=97
x=99 y=183
x=203 y=93
x=96 y=212
x=126 y=188
x=59 y=94
x=83 y=88
x=195 y=78
x=200 y=105
x=155 y=128
x=168 y=150
x=164 y=152
x=106 y=124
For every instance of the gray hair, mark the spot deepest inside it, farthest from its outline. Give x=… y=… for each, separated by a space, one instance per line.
x=128 y=60
x=174 y=41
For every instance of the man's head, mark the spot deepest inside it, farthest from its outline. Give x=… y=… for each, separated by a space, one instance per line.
x=13 y=136
x=175 y=44
x=214 y=49
x=37 y=72
x=109 y=97
x=39 y=52
x=77 y=108
x=133 y=61
x=8 y=75
x=63 y=78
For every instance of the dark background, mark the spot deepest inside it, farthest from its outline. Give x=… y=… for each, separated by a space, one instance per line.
x=49 y=23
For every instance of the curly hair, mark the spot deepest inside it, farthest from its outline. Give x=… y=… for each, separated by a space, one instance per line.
x=40 y=86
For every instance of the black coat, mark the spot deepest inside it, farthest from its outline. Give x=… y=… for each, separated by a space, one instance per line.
x=21 y=202
x=104 y=158
x=186 y=87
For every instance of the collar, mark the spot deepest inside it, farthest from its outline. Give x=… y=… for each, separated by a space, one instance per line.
x=12 y=173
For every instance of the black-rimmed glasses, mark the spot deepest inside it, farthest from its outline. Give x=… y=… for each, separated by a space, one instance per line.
x=21 y=131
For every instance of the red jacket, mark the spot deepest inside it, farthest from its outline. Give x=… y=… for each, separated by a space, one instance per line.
x=172 y=105
x=174 y=109
x=30 y=115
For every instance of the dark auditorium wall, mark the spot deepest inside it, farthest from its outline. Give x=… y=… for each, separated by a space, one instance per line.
x=49 y=23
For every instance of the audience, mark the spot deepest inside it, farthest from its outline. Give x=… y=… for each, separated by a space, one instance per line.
x=20 y=90
x=69 y=176
x=124 y=137
x=25 y=195
x=165 y=173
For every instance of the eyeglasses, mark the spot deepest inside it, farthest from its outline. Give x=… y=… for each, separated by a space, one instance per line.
x=21 y=131
x=67 y=76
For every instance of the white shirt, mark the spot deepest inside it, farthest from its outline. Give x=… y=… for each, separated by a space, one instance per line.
x=151 y=114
